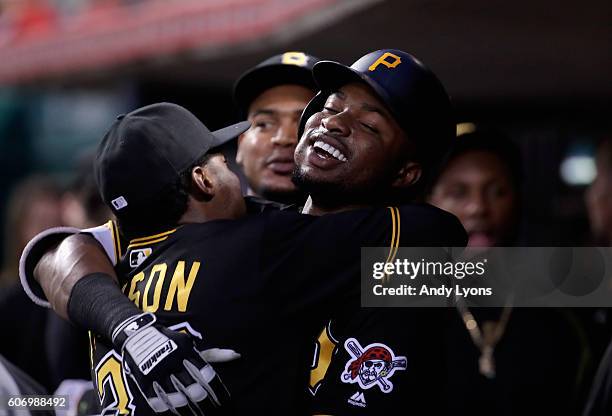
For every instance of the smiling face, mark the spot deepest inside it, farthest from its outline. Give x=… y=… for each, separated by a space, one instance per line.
x=353 y=150
x=265 y=151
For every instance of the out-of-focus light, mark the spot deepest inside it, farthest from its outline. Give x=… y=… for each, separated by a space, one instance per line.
x=577 y=170
x=464 y=128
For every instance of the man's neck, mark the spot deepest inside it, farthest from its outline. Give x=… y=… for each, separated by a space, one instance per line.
x=287 y=197
x=198 y=213
x=193 y=217
x=311 y=207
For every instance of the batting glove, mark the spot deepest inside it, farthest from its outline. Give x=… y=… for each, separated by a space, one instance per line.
x=170 y=372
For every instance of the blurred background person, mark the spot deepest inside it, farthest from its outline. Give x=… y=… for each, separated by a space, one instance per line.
x=272 y=96
x=598 y=200
x=33 y=206
x=480 y=184
x=598 y=196
x=81 y=204
x=540 y=358
x=67 y=347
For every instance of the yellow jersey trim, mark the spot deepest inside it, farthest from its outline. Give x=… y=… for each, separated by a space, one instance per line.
x=151 y=237
x=117 y=239
x=146 y=243
x=395 y=233
x=399 y=229
x=395 y=236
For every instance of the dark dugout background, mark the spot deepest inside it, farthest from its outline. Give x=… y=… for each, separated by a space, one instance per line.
x=537 y=70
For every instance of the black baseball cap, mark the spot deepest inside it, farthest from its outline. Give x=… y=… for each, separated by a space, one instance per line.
x=146 y=150
x=287 y=68
x=413 y=94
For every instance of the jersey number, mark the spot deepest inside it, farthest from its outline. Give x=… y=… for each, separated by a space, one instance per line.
x=321 y=359
x=110 y=379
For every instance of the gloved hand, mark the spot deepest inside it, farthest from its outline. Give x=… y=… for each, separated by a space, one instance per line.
x=168 y=369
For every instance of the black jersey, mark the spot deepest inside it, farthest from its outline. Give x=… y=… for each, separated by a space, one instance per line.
x=263 y=286
x=373 y=361
x=382 y=361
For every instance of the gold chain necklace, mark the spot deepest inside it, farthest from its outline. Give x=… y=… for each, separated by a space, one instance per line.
x=485 y=339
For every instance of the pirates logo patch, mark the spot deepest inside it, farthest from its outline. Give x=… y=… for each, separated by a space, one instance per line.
x=371 y=366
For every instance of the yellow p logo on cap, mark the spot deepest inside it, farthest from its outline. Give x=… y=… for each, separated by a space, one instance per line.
x=294 y=58
x=383 y=60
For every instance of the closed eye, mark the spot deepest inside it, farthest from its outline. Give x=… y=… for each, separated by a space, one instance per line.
x=370 y=128
x=331 y=110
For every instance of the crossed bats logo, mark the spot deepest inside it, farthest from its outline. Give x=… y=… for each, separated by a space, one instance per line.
x=371 y=366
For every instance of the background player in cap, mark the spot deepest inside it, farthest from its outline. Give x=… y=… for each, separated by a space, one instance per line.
x=519 y=374
x=272 y=96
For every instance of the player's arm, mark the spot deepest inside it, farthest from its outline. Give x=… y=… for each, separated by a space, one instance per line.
x=63 y=266
x=79 y=282
x=54 y=272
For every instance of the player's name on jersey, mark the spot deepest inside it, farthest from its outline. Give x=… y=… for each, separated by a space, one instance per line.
x=426 y=290
x=163 y=286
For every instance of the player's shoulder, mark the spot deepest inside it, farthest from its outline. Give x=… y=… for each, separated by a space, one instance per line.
x=425 y=215
x=250 y=225
x=429 y=214
x=432 y=224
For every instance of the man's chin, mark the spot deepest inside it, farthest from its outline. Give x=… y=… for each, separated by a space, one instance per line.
x=309 y=180
x=481 y=240
x=331 y=192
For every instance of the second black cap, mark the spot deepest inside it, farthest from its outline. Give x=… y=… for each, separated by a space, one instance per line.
x=286 y=68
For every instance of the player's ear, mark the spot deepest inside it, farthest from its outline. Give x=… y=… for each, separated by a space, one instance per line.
x=202 y=184
x=408 y=175
x=239 y=155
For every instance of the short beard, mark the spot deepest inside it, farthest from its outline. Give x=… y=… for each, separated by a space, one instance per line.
x=331 y=195
x=296 y=197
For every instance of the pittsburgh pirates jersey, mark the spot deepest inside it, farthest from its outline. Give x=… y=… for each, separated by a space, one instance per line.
x=387 y=361
x=263 y=286
x=372 y=361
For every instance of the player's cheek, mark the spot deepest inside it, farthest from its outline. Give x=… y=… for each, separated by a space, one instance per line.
x=299 y=152
x=313 y=121
x=254 y=147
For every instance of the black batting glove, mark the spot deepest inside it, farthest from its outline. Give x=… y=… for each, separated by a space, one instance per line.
x=170 y=372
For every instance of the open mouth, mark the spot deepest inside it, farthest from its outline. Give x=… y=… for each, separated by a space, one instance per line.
x=481 y=239
x=327 y=151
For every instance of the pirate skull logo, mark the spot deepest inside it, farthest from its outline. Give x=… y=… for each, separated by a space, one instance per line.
x=372 y=370
x=372 y=366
